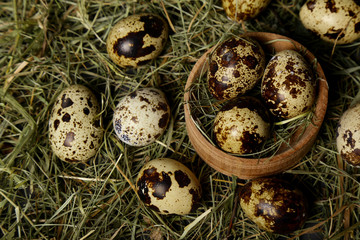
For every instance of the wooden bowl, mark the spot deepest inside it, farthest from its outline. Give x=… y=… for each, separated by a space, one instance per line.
x=287 y=156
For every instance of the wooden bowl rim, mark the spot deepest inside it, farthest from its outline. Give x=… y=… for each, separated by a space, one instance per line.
x=248 y=168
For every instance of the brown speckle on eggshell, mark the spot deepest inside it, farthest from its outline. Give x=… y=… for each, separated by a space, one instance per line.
x=348 y=136
x=236 y=65
x=239 y=10
x=334 y=21
x=168 y=187
x=136 y=39
x=288 y=86
x=242 y=125
x=141 y=117
x=75 y=133
x=274 y=205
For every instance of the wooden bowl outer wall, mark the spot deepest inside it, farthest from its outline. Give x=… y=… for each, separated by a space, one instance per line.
x=246 y=168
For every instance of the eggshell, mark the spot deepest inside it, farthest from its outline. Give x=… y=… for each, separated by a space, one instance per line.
x=274 y=205
x=336 y=20
x=288 y=85
x=348 y=136
x=168 y=187
x=242 y=125
x=136 y=39
x=239 y=10
x=236 y=65
x=75 y=131
x=141 y=117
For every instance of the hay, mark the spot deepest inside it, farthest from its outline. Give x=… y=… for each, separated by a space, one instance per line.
x=48 y=45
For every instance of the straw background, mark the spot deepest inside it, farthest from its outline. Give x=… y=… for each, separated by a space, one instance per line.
x=46 y=46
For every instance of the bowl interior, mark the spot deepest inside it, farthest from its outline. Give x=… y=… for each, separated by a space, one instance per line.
x=287 y=153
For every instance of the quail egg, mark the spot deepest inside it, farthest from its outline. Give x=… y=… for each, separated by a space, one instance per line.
x=236 y=65
x=141 y=117
x=288 y=85
x=335 y=20
x=242 y=125
x=168 y=187
x=75 y=133
x=238 y=10
x=136 y=39
x=275 y=205
x=348 y=136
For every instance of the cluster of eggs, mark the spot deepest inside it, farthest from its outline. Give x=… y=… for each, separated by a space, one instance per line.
x=273 y=204
x=75 y=135
x=288 y=89
x=338 y=22
x=139 y=119
x=244 y=122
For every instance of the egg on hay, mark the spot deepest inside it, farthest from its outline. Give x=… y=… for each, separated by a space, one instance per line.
x=348 y=136
x=168 y=187
x=240 y=10
x=242 y=125
x=274 y=205
x=75 y=131
x=141 y=117
x=137 y=39
x=288 y=86
x=235 y=66
x=334 y=21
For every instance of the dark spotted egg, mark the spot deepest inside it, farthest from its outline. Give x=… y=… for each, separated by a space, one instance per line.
x=136 y=39
x=75 y=133
x=348 y=136
x=275 y=205
x=333 y=21
x=236 y=65
x=288 y=86
x=242 y=125
x=168 y=187
x=141 y=117
x=239 y=10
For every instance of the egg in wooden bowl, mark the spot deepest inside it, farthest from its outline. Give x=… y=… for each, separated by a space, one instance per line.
x=274 y=156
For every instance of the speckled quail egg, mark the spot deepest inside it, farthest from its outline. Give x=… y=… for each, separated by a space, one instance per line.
x=136 y=39
x=275 y=205
x=288 y=85
x=75 y=132
x=242 y=125
x=238 y=10
x=348 y=136
x=168 y=187
x=236 y=65
x=335 y=20
x=141 y=117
